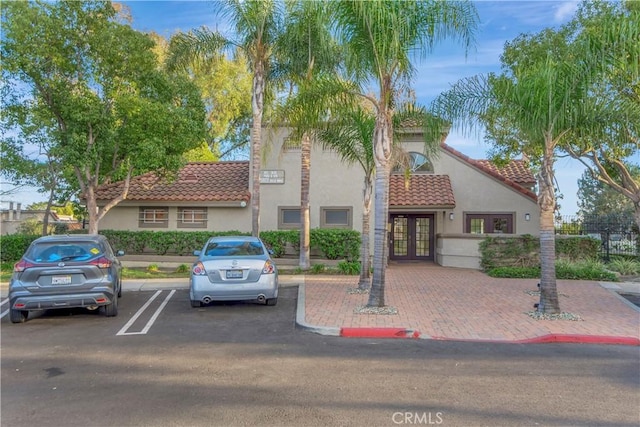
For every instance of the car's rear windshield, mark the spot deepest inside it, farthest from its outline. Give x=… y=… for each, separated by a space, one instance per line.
x=234 y=248
x=67 y=251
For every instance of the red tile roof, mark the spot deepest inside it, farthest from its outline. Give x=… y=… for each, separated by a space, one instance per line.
x=421 y=190
x=516 y=170
x=197 y=182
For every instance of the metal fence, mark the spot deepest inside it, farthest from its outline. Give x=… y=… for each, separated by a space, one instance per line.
x=618 y=233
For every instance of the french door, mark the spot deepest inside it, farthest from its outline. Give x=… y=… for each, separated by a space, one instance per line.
x=412 y=237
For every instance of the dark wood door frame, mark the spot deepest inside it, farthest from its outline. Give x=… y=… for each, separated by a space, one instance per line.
x=412 y=237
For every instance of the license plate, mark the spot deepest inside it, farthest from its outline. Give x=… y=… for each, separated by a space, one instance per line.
x=234 y=274
x=60 y=280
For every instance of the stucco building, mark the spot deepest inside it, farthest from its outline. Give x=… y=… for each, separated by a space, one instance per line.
x=439 y=213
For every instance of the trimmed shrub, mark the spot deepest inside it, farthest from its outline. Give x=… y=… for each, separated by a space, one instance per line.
x=524 y=251
x=583 y=270
x=349 y=267
x=626 y=267
x=13 y=246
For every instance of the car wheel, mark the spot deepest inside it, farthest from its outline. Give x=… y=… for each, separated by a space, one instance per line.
x=196 y=304
x=272 y=301
x=18 y=316
x=111 y=310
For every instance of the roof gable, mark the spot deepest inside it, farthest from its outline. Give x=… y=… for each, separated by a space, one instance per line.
x=515 y=175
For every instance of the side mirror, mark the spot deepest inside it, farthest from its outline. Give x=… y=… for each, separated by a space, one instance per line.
x=120 y=253
x=197 y=253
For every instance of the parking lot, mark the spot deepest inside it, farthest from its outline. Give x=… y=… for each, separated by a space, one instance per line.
x=162 y=363
x=157 y=313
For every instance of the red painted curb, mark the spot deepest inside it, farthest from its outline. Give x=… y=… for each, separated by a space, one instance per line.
x=584 y=339
x=378 y=333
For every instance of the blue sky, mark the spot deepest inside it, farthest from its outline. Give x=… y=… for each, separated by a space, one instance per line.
x=500 y=21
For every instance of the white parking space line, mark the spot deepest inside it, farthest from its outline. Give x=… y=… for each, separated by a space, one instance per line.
x=151 y=321
x=4 y=313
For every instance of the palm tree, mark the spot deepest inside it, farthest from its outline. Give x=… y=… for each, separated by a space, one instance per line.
x=380 y=37
x=530 y=108
x=350 y=135
x=306 y=49
x=257 y=24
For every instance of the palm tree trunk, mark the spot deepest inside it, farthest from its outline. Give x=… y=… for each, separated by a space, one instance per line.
x=382 y=153
x=305 y=178
x=546 y=200
x=257 y=103
x=365 y=263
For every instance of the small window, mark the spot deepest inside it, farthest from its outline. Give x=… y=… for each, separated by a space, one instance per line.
x=335 y=217
x=489 y=223
x=417 y=163
x=288 y=217
x=155 y=217
x=192 y=217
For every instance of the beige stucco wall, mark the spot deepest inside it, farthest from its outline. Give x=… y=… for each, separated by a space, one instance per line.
x=125 y=217
x=476 y=192
x=333 y=184
x=459 y=250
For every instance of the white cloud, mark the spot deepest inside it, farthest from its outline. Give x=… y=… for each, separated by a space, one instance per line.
x=565 y=11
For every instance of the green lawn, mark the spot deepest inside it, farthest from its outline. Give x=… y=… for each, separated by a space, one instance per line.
x=127 y=273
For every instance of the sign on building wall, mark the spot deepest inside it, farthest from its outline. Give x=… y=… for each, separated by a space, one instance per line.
x=272 y=177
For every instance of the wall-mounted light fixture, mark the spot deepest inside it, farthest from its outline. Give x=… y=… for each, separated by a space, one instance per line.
x=243 y=204
x=450 y=216
x=527 y=216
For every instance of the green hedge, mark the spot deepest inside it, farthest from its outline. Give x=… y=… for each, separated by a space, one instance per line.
x=524 y=251
x=12 y=246
x=581 y=270
x=329 y=243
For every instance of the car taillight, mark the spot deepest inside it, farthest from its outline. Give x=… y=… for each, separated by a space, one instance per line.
x=21 y=266
x=268 y=268
x=101 y=262
x=198 y=269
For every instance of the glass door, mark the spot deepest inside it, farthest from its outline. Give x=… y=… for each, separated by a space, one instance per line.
x=412 y=237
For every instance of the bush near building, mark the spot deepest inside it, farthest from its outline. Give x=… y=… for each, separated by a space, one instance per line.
x=325 y=243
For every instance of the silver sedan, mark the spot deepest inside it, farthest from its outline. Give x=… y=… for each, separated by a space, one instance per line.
x=233 y=268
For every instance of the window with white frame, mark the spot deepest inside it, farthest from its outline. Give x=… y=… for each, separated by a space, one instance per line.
x=336 y=217
x=192 y=217
x=153 y=217
x=288 y=217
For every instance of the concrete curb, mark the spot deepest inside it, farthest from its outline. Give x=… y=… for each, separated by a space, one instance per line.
x=300 y=318
x=557 y=339
x=380 y=333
